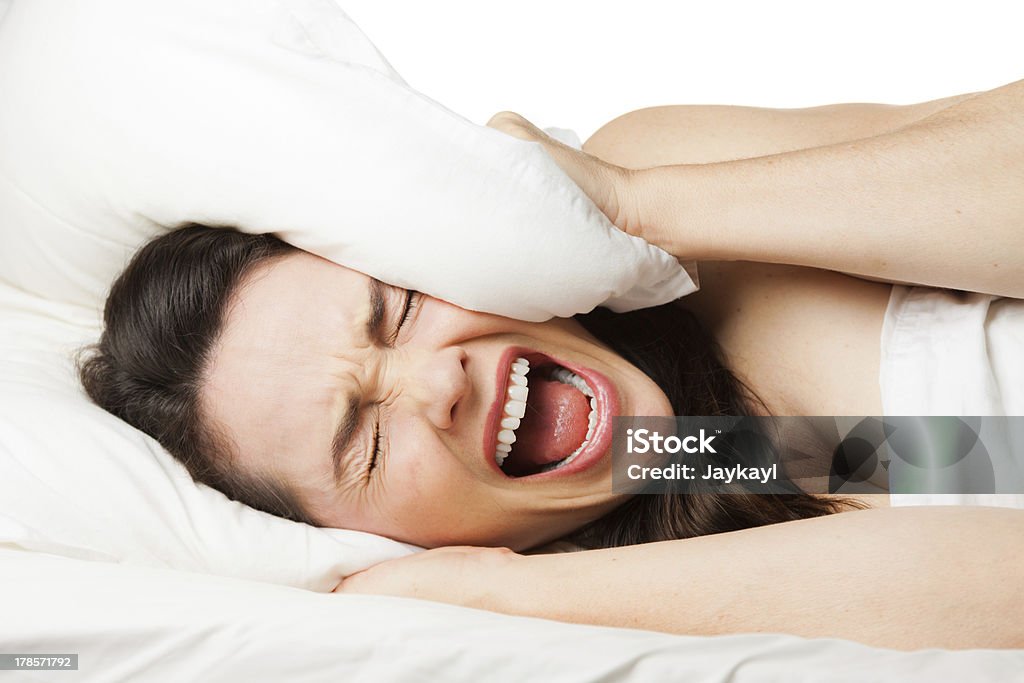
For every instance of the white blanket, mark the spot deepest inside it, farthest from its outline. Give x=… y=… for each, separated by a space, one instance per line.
x=130 y=624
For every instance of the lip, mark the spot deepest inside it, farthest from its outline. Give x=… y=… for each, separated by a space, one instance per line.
x=607 y=407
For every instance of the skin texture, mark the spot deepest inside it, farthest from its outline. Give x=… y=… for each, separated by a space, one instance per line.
x=293 y=347
x=897 y=578
x=935 y=202
x=786 y=577
x=282 y=422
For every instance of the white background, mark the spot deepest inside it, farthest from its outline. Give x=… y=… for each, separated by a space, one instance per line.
x=577 y=64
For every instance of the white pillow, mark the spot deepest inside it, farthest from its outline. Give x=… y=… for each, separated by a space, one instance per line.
x=121 y=118
x=76 y=481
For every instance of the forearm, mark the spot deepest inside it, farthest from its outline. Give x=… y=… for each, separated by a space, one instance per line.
x=903 y=578
x=703 y=134
x=938 y=202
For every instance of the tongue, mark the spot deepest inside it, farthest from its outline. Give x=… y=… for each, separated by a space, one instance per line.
x=554 y=426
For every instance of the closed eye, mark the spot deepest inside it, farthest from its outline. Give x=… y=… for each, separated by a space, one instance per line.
x=377 y=453
x=412 y=299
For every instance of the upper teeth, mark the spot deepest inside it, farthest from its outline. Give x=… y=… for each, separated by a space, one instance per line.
x=568 y=377
x=515 y=409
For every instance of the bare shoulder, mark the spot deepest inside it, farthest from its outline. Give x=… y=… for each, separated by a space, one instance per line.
x=808 y=341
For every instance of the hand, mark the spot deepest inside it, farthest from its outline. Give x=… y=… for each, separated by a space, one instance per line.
x=460 y=575
x=612 y=188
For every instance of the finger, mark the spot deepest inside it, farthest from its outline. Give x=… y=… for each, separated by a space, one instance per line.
x=604 y=183
x=515 y=125
x=346 y=585
x=353 y=583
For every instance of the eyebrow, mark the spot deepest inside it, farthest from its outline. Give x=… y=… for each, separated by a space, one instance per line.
x=375 y=323
x=346 y=428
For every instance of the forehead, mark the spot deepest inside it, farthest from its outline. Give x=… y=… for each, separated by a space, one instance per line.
x=292 y=328
x=298 y=296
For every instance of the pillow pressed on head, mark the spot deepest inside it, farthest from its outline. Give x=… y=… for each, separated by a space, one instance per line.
x=121 y=120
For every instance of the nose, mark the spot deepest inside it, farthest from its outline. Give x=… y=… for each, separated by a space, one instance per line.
x=441 y=383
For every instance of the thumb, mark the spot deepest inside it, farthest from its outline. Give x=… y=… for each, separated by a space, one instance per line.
x=607 y=185
x=517 y=126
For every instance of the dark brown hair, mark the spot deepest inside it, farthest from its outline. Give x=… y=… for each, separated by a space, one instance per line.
x=161 y=321
x=669 y=345
x=166 y=310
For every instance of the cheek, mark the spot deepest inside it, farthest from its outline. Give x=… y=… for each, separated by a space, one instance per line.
x=422 y=473
x=417 y=452
x=430 y=498
x=650 y=399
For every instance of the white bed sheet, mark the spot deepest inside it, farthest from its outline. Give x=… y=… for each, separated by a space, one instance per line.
x=134 y=623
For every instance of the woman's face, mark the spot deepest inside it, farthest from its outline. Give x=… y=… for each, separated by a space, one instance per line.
x=301 y=385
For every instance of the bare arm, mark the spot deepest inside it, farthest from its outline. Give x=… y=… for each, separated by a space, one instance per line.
x=897 y=578
x=931 y=194
x=938 y=202
x=704 y=134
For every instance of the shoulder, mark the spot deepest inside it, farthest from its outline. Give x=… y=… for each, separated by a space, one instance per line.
x=808 y=341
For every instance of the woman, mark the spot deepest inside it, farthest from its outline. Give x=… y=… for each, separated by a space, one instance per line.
x=344 y=402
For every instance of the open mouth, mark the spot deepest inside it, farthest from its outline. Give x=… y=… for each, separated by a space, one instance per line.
x=548 y=416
